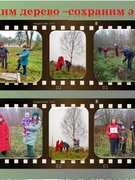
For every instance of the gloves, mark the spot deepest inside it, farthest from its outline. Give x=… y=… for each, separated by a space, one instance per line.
x=132 y=127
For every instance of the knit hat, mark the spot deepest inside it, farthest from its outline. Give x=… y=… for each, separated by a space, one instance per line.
x=27 y=114
x=36 y=114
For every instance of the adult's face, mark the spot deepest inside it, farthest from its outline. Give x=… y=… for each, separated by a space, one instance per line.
x=113 y=121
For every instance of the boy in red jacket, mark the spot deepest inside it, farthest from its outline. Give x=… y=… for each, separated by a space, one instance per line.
x=112 y=132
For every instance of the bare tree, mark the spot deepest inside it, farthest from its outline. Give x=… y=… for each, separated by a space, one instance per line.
x=29 y=38
x=72 y=44
x=20 y=36
x=73 y=125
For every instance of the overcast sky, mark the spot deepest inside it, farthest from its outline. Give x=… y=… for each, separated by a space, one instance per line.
x=55 y=131
x=55 y=48
x=12 y=33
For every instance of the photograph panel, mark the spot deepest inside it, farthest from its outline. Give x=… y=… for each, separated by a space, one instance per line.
x=68 y=133
x=20 y=56
x=20 y=132
x=67 y=54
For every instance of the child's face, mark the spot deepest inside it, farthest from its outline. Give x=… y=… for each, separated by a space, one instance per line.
x=0 y=119
x=113 y=121
x=123 y=127
x=35 y=117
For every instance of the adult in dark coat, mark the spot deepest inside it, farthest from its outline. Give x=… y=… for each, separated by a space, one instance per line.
x=132 y=128
x=66 y=146
x=129 y=54
x=68 y=64
x=3 y=55
x=116 y=47
x=100 y=50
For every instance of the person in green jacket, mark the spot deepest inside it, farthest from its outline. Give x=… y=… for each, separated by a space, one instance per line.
x=30 y=139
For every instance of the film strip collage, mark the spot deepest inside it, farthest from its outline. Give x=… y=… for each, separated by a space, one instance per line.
x=83 y=68
x=60 y=121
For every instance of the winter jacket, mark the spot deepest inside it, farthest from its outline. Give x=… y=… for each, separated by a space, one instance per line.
x=123 y=133
x=4 y=136
x=66 y=145
x=127 y=53
x=26 y=121
x=24 y=59
x=108 y=130
x=57 y=146
x=105 y=49
x=116 y=48
x=60 y=62
x=61 y=145
x=3 y=53
x=30 y=139
x=133 y=129
x=120 y=125
x=68 y=63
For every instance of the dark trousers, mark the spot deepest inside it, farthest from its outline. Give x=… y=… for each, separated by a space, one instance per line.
x=4 y=153
x=116 y=52
x=123 y=146
x=113 y=142
x=133 y=147
x=67 y=149
x=68 y=67
x=24 y=69
x=4 y=62
x=61 y=149
x=117 y=144
x=130 y=62
x=30 y=151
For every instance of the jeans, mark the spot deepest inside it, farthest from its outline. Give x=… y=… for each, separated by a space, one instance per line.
x=130 y=62
x=30 y=151
x=105 y=54
x=24 y=69
x=117 y=144
x=5 y=61
x=4 y=153
x=113 y=142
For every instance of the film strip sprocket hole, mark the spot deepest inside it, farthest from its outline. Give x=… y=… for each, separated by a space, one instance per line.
x=85 y=68
x=88 y=148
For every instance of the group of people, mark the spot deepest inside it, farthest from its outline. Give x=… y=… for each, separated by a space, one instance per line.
x=117 y=135
x=128 y=53
x=64 y=145
x=61 y=145
x=23 y=57
x=61 y=62
x=31 y=126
